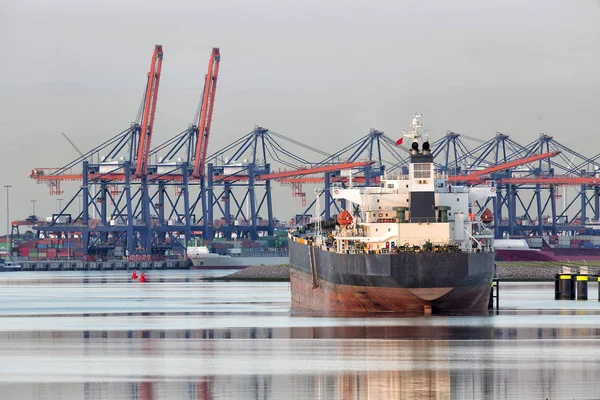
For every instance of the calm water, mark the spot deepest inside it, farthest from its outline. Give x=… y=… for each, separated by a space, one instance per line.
x=99 y=335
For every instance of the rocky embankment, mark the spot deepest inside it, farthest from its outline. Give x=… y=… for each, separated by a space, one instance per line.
x=261 y=273
x=537 y=271
x=507 y=271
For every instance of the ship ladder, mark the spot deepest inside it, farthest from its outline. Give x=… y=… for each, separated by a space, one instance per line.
x=313 y=267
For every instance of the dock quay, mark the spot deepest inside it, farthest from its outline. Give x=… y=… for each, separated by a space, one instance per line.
x=66 y=265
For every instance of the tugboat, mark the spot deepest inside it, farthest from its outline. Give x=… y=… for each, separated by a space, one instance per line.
x=412 y=244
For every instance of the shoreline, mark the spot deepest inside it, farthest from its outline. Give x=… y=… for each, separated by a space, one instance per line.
x=507 y=272
x=259 y=273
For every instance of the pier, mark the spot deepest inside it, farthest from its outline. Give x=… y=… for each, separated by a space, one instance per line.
x=78 y=265
x=572 y=285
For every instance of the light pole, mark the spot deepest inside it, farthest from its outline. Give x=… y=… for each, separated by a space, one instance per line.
x=33 y=202
x=59 y=205
x=8 y=217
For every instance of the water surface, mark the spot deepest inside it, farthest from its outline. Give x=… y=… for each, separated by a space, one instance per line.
x=100 y=335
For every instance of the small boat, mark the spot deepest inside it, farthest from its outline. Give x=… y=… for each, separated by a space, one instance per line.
x=8 y=264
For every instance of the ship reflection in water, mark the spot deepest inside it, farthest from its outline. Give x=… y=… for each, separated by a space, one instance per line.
x=192 y=339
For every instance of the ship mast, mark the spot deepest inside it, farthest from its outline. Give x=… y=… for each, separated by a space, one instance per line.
x=415 y=135
x=318 y=226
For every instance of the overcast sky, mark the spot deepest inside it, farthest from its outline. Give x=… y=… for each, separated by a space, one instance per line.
x=323 y=72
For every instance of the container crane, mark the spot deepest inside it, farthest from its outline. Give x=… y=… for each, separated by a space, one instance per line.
x=181 y=161
x=137 y=137
x=123 y=216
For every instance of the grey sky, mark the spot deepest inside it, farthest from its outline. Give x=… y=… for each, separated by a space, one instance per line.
x=319 y=71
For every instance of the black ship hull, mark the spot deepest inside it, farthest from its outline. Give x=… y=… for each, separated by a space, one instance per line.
x=397 y=282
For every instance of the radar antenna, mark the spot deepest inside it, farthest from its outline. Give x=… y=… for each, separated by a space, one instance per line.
x=416 y=124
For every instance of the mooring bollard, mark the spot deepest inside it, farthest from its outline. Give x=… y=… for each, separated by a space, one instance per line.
x=582 y=287
x=582 y=284
x=565 y=287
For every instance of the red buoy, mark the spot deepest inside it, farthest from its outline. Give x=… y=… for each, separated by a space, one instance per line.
x=134 y=275
x=344 y=218
x=143 y=278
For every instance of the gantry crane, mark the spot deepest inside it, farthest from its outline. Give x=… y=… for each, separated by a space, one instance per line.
x=180 y=164
x=107 y=215
x=136 y=140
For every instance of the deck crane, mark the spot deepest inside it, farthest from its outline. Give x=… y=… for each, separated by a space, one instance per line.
x=149 y=111
x=205 y=115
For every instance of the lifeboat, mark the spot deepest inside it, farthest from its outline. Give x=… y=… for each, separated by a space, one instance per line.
x=344 y=218
x=487 y=216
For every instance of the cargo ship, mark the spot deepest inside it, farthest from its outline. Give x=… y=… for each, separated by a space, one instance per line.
x=222 y=253
x=202 y=258
x=576 y=248
x=409 y=245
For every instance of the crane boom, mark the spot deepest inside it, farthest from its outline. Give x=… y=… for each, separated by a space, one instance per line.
x=559 y=180
x=500 y=167
x=208 y=100
x=313 y=170
x=72 y=144
x=148 y=112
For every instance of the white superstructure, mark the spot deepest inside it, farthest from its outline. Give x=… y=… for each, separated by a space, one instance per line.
x=419 y=209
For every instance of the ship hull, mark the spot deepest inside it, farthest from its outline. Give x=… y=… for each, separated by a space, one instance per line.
x=10 y=268
x=401 y=282
x=524 y=255
x=553 y=254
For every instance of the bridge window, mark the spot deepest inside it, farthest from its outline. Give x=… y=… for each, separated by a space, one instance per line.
x=422 y=171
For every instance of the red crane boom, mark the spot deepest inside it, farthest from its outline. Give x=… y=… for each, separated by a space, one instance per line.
x=313 y=170
x=559 y=180
x=478 y=174
x=149 y=112
x=208 y=100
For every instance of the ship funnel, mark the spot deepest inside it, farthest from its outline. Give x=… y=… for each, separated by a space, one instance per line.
x=414 y=148
x=426 y=149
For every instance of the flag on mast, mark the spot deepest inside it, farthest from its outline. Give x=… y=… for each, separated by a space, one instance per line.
x=399 y=141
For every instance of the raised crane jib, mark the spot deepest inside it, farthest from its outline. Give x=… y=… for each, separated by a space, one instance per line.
x=148 y=112
x=205 y=117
